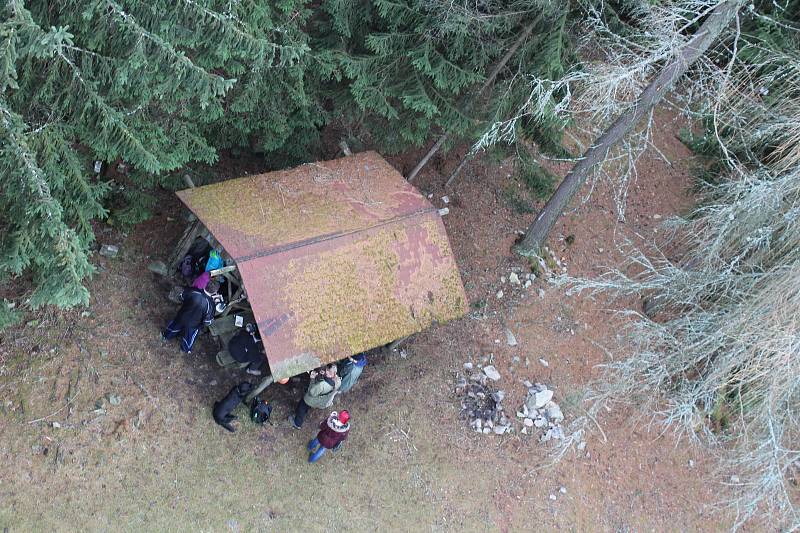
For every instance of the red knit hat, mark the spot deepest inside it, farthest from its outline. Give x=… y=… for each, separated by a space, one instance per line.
x=344 y=416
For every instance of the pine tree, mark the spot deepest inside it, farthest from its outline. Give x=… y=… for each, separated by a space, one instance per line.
x=159 y=84
x=141 y=82
x=409 y=68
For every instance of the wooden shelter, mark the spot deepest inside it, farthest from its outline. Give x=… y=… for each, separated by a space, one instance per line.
x=331 y=258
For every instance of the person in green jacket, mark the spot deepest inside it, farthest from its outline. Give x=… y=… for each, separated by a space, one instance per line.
x=323 y=387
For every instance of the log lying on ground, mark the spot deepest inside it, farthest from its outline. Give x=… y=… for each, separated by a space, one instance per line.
x=537 y=233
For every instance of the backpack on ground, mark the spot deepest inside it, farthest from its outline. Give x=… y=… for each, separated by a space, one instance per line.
x=260 y=411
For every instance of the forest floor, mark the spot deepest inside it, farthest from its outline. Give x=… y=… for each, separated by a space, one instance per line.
x=155 y=460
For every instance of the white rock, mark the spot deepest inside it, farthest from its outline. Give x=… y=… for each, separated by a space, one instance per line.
x=446 y=199
x=582 y=445
x=486 y=431
x=443 y=211
x=492 y=373
x=499 y=294
x=528 y=422
x=109 y=250
x=56 y=425
x=520 y=414
x=513 y=278
x=511 y=340
x=539 y=422
x=541 y=294
x=544 y=362
x=527 y=283
x=542 y=397
x=656 y=217
x=158 y=267
x=553 y=497
x=468 y=366
x=524 y=431
x=499 y=430
x=553 y=412
x=734 y=479
x=562 y=490
x=502 y=279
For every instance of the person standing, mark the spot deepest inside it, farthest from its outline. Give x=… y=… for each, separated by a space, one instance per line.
x=246 y=347
x=320 y=393
x=350 y=370
x=197 y=311
x=332 y=433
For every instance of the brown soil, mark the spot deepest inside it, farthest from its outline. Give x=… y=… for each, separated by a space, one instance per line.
x=157 y=461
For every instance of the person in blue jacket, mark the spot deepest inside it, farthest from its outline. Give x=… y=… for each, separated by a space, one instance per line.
x=197 y=311
x=350 y=370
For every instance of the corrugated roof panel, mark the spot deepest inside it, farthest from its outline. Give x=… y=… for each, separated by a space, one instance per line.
x=356 y=275
x=255 y=214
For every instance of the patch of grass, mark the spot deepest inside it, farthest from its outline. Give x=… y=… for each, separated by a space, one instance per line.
x=720 y=415
x=130 y=207
x=520 y=205
x=533 y=262
x=498 y=153
x=8 y=315
x=479 y=305
x=539 y=181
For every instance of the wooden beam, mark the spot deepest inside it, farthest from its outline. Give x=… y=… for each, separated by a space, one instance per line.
x=187 y=239
x=221 y=271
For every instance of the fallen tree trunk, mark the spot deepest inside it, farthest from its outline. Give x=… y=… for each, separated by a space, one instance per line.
x=688 y=54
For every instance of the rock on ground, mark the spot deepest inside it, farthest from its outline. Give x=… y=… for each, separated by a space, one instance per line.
x=109 y=250
x=491 y=372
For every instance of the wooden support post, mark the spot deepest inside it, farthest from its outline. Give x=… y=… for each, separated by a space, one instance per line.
x=185 y=242
x=266 y=382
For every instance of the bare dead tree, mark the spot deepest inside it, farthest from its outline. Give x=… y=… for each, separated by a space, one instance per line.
x=711 y=28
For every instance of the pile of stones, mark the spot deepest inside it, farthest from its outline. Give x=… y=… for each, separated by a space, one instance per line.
x=481 y=403
x=482 y=407
x=540 y=412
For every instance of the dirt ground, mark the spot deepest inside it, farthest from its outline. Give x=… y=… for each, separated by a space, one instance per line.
x=71 y=460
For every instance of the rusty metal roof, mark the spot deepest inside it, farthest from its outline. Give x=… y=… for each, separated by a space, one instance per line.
x=337 y=257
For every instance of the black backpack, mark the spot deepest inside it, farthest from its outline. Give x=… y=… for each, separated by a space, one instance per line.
x=260 y=411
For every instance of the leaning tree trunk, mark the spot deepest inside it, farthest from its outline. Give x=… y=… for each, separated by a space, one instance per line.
x=699 y=43
x=511 y=51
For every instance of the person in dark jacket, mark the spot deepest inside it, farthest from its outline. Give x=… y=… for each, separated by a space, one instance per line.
x=246 y=347
x=197 y=311
x=332 y=433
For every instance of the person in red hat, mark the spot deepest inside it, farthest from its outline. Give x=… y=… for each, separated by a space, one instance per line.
x=332 y=433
